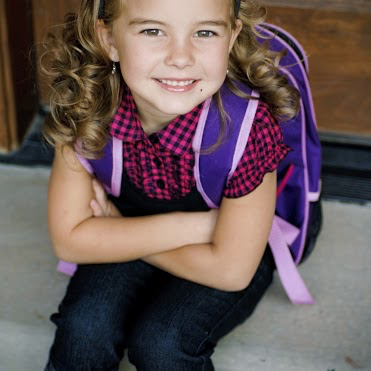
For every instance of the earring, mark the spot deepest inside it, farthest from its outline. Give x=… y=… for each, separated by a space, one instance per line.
x=227 y=72
x=113 y=68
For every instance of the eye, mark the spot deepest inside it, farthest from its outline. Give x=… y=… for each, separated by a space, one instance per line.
x=153 y=32
x=205 y=33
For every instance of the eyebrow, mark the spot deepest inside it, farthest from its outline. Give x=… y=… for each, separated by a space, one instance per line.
x=218 y=23
x=144 y=21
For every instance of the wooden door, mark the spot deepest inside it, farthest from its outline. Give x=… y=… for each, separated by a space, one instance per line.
x=47 y=13
x=18 y=97
x=336 y=35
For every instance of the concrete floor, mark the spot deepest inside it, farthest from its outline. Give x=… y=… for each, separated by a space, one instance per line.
x=334 y=334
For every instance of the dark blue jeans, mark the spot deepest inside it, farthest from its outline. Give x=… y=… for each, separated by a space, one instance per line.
x=164 y=322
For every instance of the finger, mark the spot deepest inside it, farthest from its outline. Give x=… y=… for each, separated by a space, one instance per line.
x=100 y=194
x=97 y=185
x=97 y=210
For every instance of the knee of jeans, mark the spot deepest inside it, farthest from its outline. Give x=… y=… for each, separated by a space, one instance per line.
x=157 y=347
x=154 y=345
x=85 y=333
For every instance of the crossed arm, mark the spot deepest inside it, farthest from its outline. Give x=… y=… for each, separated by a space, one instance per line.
x=219 y=249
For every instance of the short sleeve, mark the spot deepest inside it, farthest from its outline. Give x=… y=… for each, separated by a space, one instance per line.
x=263 y=153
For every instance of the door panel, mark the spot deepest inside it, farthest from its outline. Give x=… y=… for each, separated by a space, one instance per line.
x=46 y=14
x=338 y=44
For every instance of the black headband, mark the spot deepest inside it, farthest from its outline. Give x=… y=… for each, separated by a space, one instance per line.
x=102 y=3
x=101 y=9
x=238 y=5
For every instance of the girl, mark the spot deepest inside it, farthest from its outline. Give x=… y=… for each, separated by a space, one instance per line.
x=159 y=273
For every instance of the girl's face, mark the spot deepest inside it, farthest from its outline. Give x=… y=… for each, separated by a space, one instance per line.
x=173 y=54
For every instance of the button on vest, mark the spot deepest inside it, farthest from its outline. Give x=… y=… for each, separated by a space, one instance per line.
x=157 y=162
x=153 y=138
x=160 y=184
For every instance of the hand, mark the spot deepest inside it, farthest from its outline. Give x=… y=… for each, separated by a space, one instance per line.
x=101 y=205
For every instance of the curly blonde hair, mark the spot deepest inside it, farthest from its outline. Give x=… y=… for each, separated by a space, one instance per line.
x=84 y=94
x=256 y=65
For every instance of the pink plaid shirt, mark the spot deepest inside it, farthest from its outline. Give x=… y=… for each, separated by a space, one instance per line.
x=161 y=164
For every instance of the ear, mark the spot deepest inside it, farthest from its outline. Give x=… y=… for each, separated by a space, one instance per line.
x=235 y=32
x=106 y=40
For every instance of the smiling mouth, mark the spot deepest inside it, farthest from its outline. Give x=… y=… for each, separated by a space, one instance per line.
x=175 y=83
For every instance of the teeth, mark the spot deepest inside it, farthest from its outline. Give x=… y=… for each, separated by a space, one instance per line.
x=177 y=83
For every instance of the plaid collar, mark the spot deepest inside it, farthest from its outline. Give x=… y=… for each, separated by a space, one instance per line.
x=176 y=137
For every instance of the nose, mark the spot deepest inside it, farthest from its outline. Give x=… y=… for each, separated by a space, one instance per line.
x=180 y=54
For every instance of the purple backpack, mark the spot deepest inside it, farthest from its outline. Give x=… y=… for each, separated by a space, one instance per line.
x=298 y=214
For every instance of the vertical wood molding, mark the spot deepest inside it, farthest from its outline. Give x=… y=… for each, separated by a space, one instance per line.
x=8 y=119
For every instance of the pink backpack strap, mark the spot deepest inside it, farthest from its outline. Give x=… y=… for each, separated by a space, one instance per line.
x=67 y=268
x=117 y=166
x=281 y=236
x=243 y=136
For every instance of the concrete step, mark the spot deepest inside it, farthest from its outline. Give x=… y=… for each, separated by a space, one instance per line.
x=334 y=334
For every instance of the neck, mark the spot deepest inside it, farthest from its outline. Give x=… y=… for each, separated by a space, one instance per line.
x=150 y=119
x=152 y=124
